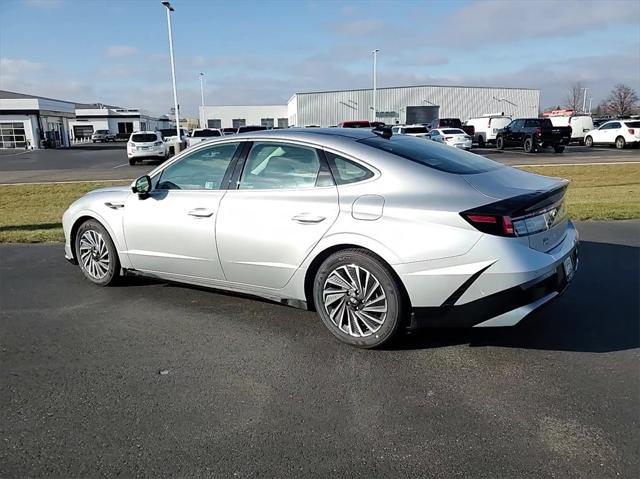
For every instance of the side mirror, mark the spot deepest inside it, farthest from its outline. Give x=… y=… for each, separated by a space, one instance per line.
x=142 y=185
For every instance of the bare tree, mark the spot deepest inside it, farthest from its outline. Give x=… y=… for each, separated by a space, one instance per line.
x=574 y=96
x=622 y=100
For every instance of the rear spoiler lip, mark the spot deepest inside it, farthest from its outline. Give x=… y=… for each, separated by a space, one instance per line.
x=528 y=204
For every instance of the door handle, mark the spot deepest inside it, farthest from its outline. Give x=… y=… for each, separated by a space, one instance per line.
x=308 y=218
x=201 y=212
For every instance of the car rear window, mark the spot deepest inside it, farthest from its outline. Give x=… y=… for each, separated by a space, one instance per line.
x=416 y=129
x=633 y=124
x=453 y=132
x=538 y=123
x=356 y=124
x=432 y=154
x=450 y=122
x=144 y=138
x=205 y=133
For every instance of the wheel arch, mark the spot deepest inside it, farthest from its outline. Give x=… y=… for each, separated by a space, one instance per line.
x=317 y=261
x=82 y=218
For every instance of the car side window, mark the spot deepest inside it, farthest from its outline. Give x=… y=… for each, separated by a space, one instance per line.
x=273 y=166
x=346 y=171
x=613 y=126
x=203 y=169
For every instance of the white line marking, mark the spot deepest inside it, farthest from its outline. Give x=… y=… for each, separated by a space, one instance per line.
x=580 y=164
x=120 y=166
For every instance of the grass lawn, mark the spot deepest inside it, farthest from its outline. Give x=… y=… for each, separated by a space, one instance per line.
x=599 y=192
x=32 y=213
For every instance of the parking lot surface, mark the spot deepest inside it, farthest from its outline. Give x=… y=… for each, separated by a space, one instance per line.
x=106 y=161
x=155 y=379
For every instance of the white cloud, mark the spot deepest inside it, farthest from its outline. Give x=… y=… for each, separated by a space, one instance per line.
x=119 y=51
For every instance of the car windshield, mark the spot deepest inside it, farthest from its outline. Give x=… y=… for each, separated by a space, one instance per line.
x=432 y=154
x=143 y=138
x=453 y=131
x=102 y=131
x=205 y=133
x=416 y=129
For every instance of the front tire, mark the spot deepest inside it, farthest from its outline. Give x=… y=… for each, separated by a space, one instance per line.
x=558 y=148
x=96 y=254
x=499 y=143
x=358 y=298
x=481 y=142
x=620 y=143
x=588 y=142
x=132 y=161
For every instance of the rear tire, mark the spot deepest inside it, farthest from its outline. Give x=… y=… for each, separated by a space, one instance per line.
x=132 y=161
x=588 y=142
x=620 y=143
x=528 y=145
x=499 y=143
x=481 y=142
x=558 y=148
x=358 y=298
x=96 y=254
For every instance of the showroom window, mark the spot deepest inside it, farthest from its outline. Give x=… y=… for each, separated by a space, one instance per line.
x=283 y=122
x=272 y=166
x=214 y=123
x=82 y=131
x=238 y=122
x=12 y=135
x=202 y=170
x=268 y=122
x=125 y=127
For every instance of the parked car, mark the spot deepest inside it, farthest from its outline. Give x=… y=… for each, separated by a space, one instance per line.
x=486 y=128
x=451 y=123
x=170 y=136
x=202 y=134
x=419 y=131
x=102 y=136
x=229 y=131
x=146 y=144
x=580 y=125
x=533 y=134
x=355 y=124
x=250 y=128
x=617 y=132
x=452 y=137
x=336 y=233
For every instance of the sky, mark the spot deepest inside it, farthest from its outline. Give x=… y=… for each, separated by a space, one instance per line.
x=261 y=52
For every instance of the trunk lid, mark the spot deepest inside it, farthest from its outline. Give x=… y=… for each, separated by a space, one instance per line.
x=534 y=203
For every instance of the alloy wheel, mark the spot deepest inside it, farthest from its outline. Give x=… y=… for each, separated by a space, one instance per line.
x=355 y=300
x=94 y=254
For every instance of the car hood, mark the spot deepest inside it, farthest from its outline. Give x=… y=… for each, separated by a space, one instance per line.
x=507 y=182
x=111 y=189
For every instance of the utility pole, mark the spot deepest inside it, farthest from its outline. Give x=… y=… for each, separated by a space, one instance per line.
x=173 y=72
x=375 y=82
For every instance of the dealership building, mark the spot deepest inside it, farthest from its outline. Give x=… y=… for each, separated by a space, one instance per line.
x=408 y=104
x=121 y=121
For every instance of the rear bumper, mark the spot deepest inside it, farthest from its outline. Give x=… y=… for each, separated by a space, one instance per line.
x=505 y=308
x=146 y=153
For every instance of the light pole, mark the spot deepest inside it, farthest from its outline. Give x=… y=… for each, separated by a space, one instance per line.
x=590 y=100
x=375 y=82
x=173 y=72
x=584 y=100
x=201 y=89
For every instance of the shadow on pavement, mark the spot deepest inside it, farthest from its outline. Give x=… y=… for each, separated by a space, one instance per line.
x=118 y=145
x=600 y=312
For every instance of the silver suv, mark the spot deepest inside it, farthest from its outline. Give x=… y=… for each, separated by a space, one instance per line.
x=102 y=136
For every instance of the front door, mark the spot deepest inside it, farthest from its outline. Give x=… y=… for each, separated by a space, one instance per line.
x=172 y=230
x=285 y=203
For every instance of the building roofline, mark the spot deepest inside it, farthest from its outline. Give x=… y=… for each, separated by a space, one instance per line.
x=26 y=96
x=417 y=86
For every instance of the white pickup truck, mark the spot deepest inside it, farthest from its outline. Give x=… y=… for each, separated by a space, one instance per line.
x=202 y=134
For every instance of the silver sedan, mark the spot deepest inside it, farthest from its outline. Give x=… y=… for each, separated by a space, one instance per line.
x=376 y=232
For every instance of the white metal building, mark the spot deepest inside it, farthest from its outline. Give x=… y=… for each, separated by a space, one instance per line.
x=121 y=121
x=28 y=121
x=235 y=116
x=410 y=104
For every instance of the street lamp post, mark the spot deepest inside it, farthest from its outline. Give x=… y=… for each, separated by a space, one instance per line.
x=173 y=72
x=375 y=82
x=584 y=100
x=201 y=89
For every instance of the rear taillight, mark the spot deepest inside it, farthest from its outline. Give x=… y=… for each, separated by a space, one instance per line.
x=492 y=224
x=538 y=131
x=632 y=131
x=448 y=138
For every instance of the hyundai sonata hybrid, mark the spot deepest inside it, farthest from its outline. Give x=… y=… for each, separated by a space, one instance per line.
x=376 y=232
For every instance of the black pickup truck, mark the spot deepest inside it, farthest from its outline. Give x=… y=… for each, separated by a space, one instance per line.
x=533 y=134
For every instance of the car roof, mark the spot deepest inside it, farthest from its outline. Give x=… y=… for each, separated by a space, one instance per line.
x=149 y=132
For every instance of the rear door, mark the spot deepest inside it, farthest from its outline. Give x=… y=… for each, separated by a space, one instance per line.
x=284 y=203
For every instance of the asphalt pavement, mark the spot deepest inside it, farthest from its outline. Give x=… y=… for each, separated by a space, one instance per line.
x=106 y=161
x=154 y=379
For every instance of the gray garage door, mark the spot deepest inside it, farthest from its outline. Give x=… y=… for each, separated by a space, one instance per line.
x=82 y=131
x=12 y=135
